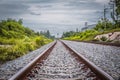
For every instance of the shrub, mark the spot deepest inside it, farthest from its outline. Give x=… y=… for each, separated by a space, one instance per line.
x=103 y=38
x=17 y=40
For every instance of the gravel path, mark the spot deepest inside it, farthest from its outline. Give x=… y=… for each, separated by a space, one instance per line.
x=105 y=57
x=11 y=67
x=60 y=64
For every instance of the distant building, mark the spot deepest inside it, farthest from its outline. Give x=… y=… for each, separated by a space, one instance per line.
x=88 y=27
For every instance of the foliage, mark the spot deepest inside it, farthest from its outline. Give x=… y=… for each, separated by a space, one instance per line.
x=89 y=35
x=103 y=25
x=29 y=32
x=103 y=38
x=46 y=34
x=10 y=29
x=16 y=40
x=68 y=34
x=82 y=36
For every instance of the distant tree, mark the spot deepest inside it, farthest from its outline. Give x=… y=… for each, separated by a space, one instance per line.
x=11 y=20
x=48 y=33
x=37 y=33
x=101 y=27
x=68 y=34
x=20 y=21
x=29 y=32
x=41 y=32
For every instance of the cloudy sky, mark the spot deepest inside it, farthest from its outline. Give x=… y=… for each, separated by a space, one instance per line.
x=42 y=14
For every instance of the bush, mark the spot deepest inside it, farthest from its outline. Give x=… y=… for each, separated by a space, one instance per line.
x=30 y=46
x=16 y=40
x=83 y=36
x=39 y=41
x=103 y=38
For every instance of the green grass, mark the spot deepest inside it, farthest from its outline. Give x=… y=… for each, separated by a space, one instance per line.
x=83 y=36
x=17 y=40
x=14 y=48
x=89 y=35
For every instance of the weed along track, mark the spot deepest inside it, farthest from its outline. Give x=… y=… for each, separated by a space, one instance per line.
x=61 y=63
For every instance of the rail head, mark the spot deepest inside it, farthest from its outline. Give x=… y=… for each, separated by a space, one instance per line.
x=98 y=42
x=22 y=72
x=102 y=74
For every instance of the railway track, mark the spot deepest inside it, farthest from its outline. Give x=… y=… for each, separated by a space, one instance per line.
x=60 y=62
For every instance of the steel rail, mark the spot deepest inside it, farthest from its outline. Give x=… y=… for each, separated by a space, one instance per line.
x=100 y=43
x=98 y=71
x=23 y=72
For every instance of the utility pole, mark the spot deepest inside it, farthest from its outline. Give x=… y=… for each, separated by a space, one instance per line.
x=104 y=18
x=76 y=29
x=113 y=8
x=57 y=35
x=86 y=24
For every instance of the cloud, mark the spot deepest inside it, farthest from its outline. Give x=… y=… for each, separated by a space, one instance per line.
x=102 y=1
x=34 y=10
x=10 y=10
x=53 y=11
x=33 y=13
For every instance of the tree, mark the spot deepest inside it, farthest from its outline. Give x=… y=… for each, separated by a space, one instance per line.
x=48 y=33
x=20 y=21
x=101 y=27
x=11 y=20
x=28 y=31
x=68 y=34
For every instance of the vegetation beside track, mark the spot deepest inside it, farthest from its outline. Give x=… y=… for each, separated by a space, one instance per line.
x=17 y=40
x=103 y=26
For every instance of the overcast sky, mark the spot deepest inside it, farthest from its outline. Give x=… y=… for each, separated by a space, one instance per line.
x=66 y=12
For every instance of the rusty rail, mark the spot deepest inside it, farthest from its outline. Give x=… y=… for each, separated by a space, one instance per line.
x=21 y=74
x=98 y=42
x=101 y=74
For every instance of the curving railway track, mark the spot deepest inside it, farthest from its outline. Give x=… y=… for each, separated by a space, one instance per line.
x=60 y=62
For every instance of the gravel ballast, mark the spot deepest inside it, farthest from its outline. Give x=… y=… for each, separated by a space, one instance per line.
x=11 y=67
x=61 y=65
x=104 y=56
